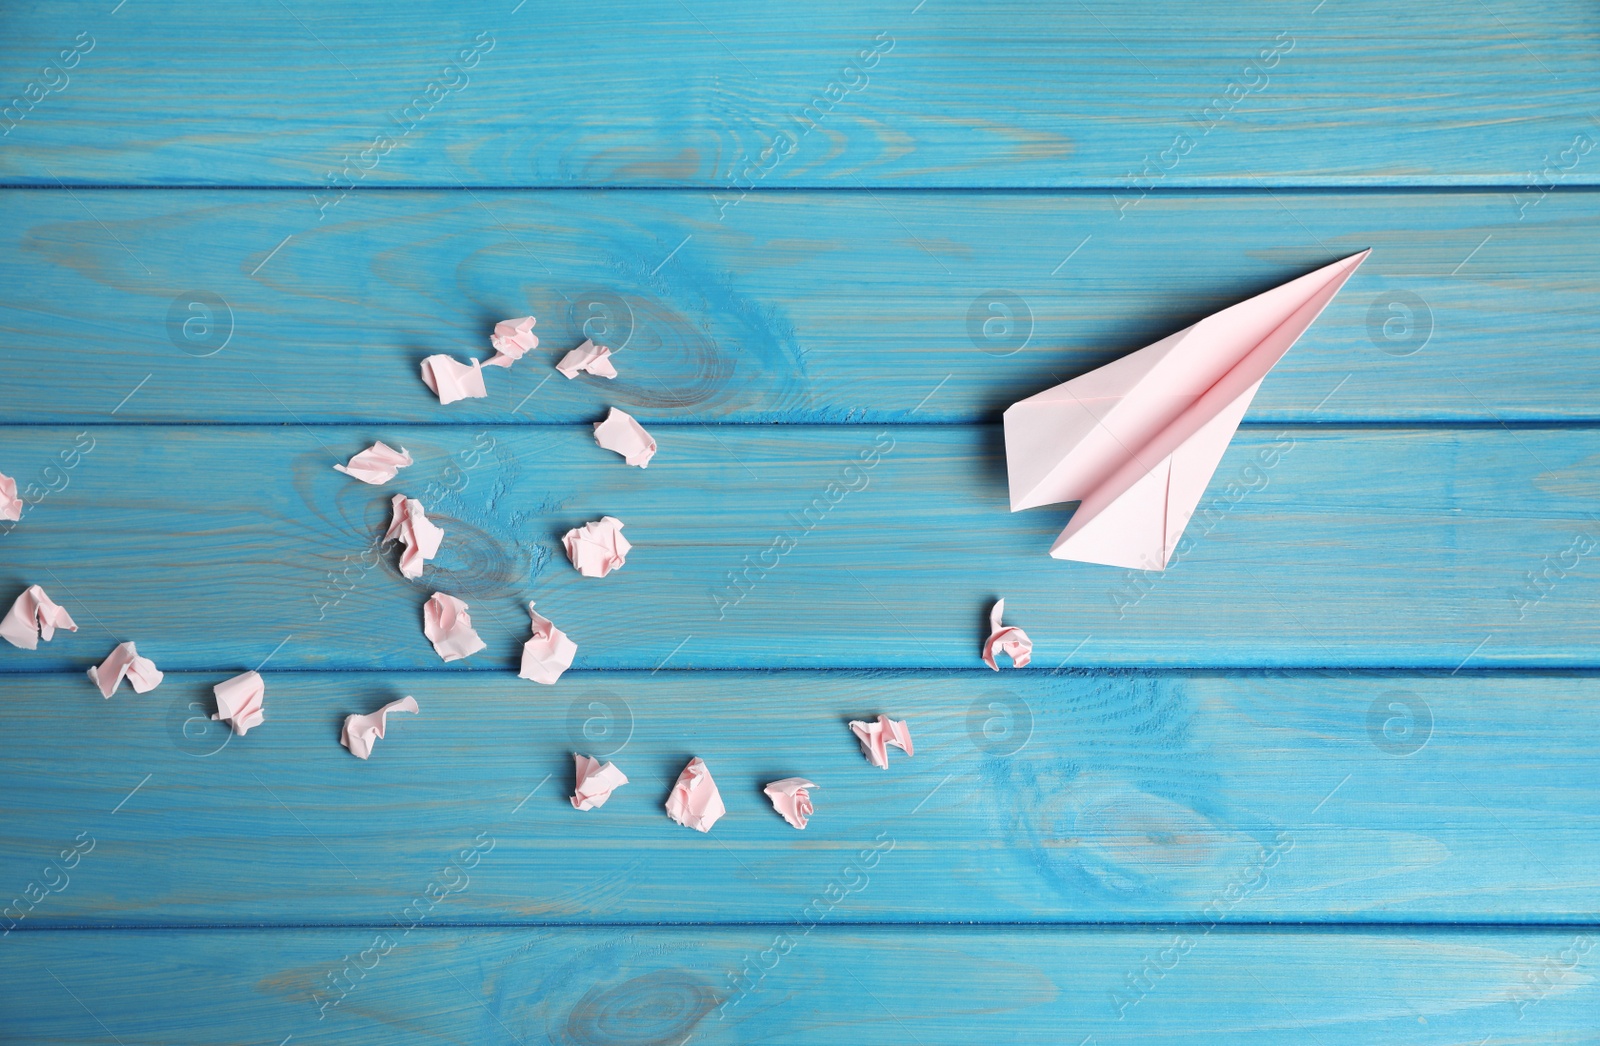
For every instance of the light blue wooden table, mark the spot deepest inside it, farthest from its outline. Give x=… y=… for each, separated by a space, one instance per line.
x=1329 y=779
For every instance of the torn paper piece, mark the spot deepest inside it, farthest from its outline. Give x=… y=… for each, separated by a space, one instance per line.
x=10 y=504
x=588 y=357
x=409 y=525
x=621 y=433
x=597 y=548
x=596 y=783
x=876 y=737
x=125 y=663
x=695 y=802
x=360 y=731
x=449 y=628
x=239 y=701
x=1013 y=641
x=377 y=464
x=512 y=338
x=34 y=616
x=792 y=799
x=1137 y=441
x=548 y=653
x=453 y=380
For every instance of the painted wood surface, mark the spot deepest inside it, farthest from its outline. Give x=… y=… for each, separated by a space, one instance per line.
x=609 y=987
x=1328 y=779
x=946 y=93
x=794 y=307
x=789 y=547
x=1032 y=798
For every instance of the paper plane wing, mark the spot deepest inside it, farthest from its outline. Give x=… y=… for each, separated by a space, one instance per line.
x=1137 y=441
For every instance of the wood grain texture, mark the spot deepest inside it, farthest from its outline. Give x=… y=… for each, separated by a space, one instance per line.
x=964 y=93
x=1361 y=701
x=623 y=987
x=805 y=547
x=1097 y=797
x=798 y=307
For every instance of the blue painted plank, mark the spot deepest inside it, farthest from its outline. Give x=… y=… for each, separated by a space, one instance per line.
x=830 y=547
x=799 y=307
x=1062 y=794
x=612 y=987
x=1032 y=798
x=953 y=93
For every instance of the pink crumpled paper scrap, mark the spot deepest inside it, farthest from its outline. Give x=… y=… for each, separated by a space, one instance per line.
x=362 y=731
x=548 y=653
x=125 y=663
x=622 y=433
x=597 y=548
x=377 y=464
x=410 y=526
x=1010 y=639
x=695 y=802
x=876 y=737
x=448 y=626
x=240 y=700
x=34 y=616
x=453 y=380
x=588 y=357
x=595 y=783
x=10 y=504
x=512 y=338
x=791 y=797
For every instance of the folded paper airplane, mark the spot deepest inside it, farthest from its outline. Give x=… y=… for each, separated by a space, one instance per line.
x=1136 y=441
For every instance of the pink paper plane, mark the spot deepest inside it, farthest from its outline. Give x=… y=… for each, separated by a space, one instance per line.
x=1136 y=441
